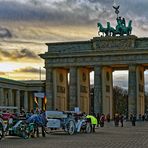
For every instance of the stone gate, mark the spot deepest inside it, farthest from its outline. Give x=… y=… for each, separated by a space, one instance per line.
x=68 y=65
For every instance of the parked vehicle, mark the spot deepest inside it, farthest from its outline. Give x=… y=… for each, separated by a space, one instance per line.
x=11 y=124
x=70 y=122
x=83 y=125
x=23 y=129
x=57 y=120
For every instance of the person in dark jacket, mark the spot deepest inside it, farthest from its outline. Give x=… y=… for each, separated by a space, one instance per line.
x=133 y=119
x=121 y=118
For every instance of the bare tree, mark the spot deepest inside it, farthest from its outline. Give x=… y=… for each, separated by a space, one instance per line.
x=120 y=100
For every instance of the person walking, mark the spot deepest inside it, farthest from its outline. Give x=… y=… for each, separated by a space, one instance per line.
x=98 y=119
x=102 y=119
x=116 y=120
x=121 y=118
x=133 y=119
x=108 y=117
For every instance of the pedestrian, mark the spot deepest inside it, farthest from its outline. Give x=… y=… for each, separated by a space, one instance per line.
x=98 y=119
x=116 y=119
x=143 y=117
x=133 y=119
x=140 y=117
x=108 y=117
x=121 y=118
x=102 y=119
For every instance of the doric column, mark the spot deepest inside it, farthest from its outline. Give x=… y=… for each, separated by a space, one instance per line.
x=107 y=89
x=83 y=89
x=49 y=89
x=6 y=103
x=97 y=89
x=18 y=99
x=140 y=90
x=26 y=101
x=132 y=94
x=2 y=101
x=73 y=88
x=10 y=98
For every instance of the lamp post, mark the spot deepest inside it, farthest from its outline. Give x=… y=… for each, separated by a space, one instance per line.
x=40 y=73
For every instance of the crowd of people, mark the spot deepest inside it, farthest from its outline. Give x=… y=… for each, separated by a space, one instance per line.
x=15 y=115
x=119 y=119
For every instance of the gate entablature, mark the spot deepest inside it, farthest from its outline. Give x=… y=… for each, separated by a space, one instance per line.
x=114 y=43
x=97 y=43
x=69 y=47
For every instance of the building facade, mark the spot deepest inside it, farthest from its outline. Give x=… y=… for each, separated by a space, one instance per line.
x=19 y=94
x=68 y=65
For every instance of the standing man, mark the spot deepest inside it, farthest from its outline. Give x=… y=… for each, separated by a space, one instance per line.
x=121 y=118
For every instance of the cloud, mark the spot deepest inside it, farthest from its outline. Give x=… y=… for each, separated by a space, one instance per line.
x=17 y=55
x=2 y=73
x=29 y=70
x=26 y=73
x=5 y=33
x=68 y=11
x=25 y=53
x=74 y=12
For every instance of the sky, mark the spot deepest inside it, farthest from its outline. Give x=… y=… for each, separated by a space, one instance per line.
x=26 y=25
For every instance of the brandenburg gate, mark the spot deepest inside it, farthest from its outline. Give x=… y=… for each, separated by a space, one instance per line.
x=68 y=66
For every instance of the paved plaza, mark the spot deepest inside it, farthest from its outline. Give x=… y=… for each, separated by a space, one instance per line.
x=107 y=137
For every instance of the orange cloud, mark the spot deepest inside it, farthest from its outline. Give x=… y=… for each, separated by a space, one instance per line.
x=19 y=55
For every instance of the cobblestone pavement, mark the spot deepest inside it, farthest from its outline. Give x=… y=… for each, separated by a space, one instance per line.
x=106 y=137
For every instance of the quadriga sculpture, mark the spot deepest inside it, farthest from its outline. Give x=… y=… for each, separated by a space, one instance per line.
x=102 y=29
x=120 y=30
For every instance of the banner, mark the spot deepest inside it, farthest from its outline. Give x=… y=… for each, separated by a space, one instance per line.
x=35 y=100
x=41 y=96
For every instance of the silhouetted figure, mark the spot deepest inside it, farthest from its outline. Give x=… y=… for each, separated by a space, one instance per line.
x=143 y=117
x=108 y=117
x=121 y=118
x=116 y=119
x=133 y=119
x=98 y=119
x=102 y=119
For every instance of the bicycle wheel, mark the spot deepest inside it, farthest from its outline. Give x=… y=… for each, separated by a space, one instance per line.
x=88 y=128
x=71 y=127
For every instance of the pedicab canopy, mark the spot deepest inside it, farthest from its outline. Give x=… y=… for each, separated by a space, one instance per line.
x=55 y=114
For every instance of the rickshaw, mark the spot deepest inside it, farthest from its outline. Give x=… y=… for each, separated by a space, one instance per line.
x=11 y=125
x=58 y=120
x=67 y=121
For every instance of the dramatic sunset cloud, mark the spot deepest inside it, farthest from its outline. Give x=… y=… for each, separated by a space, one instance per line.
x=21 y=55
x=26 y=25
